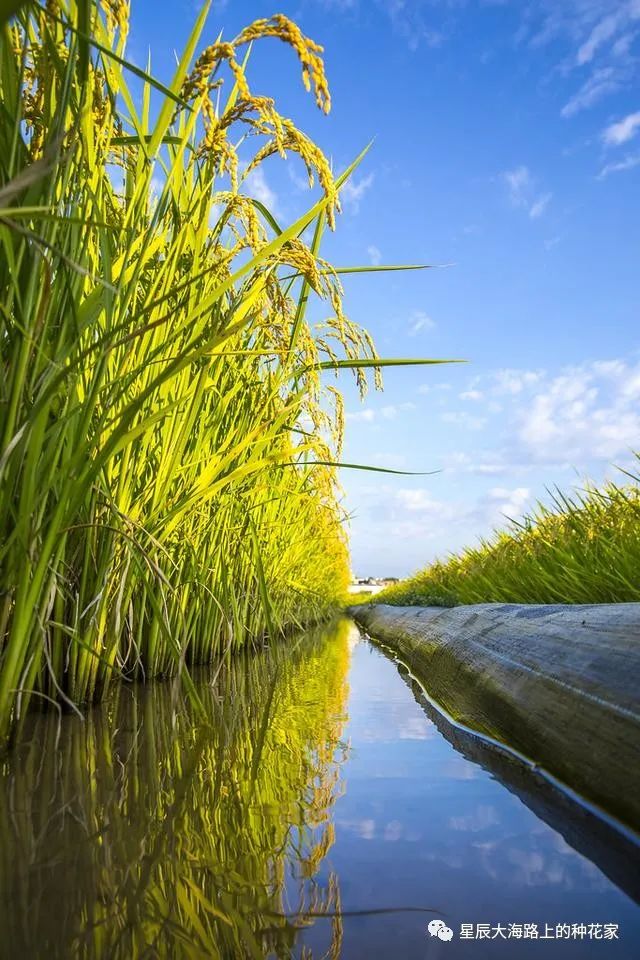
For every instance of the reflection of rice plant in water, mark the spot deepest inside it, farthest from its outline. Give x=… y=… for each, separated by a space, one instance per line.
x=582 y=549
x=139 y=833
x=160 y=400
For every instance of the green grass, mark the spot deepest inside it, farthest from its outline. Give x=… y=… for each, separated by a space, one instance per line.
x=583 y=548
x=168 y=449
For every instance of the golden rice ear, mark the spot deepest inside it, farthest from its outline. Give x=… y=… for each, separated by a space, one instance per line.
x=242 y=106
x=117 y=14
x=307 y=50
x=339 y=419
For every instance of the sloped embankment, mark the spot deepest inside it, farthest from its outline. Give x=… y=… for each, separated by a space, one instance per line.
x=558 y=683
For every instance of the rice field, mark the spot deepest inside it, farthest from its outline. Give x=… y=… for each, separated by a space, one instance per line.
x=583 y=548
x=168 y=451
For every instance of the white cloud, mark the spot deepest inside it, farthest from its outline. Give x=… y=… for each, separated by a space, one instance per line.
x=374 y=254
x=519 y=183
x=299 y=180
x=420 y=321
x=508 y=503
x=463 y=419
x=507 y=382
x=604 y=30
x=479 y=464
x=592 y=27
x=255 y=185
x=354 y=190
x=622 y=131
x=471 y=395
x=592 y=41
x=622 y=46
x=583 y=419
x=539 y=206
x=413 y=21
x=418 y=501
x=586 y=34
x=340 y=4
x=583 y=413
x=601 y=83
x=408 y=515
x=425 y=388
x=577 y=416
x=628 y=163
x=388 y=412
x=364 y=416
x=391 y=411
x=521 y=187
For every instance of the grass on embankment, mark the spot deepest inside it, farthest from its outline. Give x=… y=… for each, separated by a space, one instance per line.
x=581 y=549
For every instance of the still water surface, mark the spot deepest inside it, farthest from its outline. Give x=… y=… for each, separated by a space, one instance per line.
x=322 y=802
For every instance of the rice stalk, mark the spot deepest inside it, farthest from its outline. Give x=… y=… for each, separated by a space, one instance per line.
x=167 y=447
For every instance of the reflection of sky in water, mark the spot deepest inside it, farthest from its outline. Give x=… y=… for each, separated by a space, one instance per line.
x=420 y=825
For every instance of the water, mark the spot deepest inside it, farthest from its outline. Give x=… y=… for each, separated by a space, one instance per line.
x=322 y=785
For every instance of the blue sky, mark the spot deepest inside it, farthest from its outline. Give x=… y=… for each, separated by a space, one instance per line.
x=507 y=144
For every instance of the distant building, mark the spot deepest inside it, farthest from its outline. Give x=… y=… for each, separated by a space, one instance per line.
x=370 y=584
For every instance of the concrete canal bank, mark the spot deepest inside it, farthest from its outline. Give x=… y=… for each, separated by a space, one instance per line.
x=559 y=684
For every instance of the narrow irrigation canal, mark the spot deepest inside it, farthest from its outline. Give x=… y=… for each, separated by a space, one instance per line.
x=323 y=810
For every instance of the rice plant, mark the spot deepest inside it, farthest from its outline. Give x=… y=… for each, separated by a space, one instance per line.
x=583 y=548
x=168 y=489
